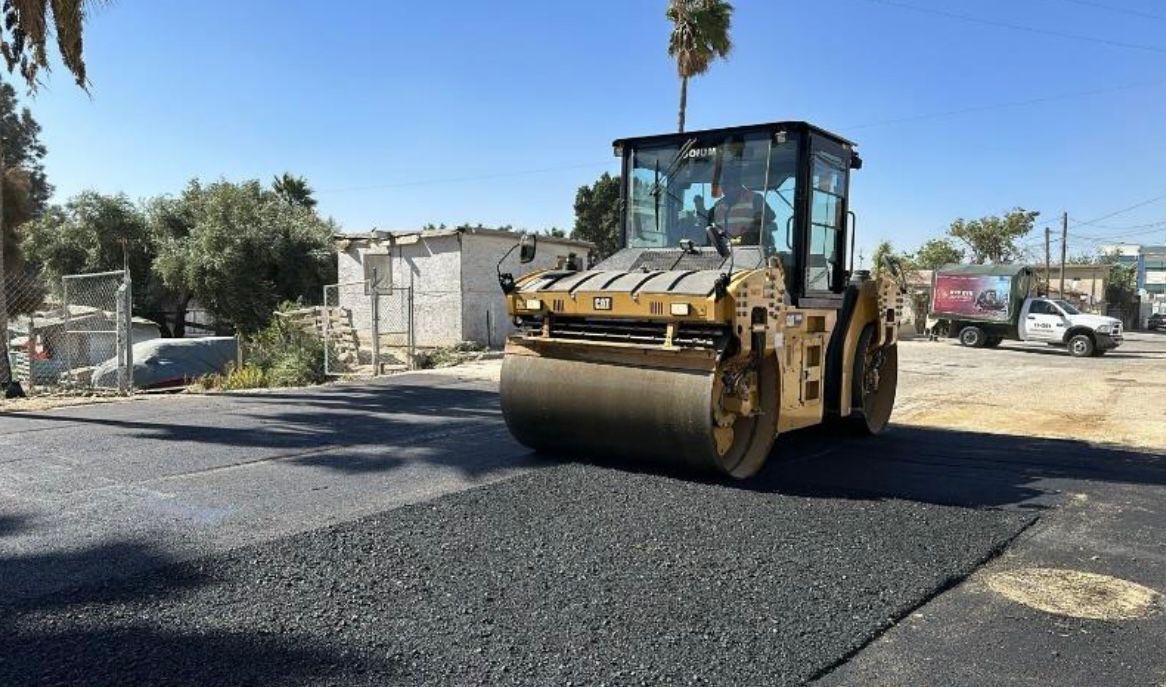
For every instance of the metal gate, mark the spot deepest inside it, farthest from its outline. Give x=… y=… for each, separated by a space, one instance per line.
x=97 y=331
x=367 y=330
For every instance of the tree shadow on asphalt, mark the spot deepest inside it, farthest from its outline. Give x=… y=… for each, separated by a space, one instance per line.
x=140 y=654
x=32 y=580
x=13 y=523
x=353 y=430
x=111 y=630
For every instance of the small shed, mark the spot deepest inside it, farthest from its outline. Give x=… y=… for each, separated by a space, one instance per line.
x=47 y=342
x=452 y=277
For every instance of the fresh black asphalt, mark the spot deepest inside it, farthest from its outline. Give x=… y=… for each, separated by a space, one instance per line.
x=568 y=575
x=392 y=533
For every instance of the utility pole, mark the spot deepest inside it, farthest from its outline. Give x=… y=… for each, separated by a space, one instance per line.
x=1048 y=262
x=1064 y=250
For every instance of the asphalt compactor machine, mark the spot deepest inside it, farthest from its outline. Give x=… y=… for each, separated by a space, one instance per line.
x=729 y=315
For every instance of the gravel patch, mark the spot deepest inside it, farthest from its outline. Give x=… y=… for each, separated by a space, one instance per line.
x=567 y=575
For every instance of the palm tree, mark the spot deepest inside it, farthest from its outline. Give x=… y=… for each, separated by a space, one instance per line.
x=24 y=37
x=700 y=34
x=293 y=190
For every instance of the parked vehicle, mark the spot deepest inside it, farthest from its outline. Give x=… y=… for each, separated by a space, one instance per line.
x=982 y=305
x=162 y=363
x=1157 y=321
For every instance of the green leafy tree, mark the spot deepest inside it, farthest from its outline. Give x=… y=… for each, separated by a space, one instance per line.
x=597 y=216
x=294 y=190
x=91 y=232
x=936 y=253
x=240 y=250
x=886 y=250
x=95 y=232
x=25 y=32
x=25 y=188
x=700 y=34
x=556 y=233
x=994 y=239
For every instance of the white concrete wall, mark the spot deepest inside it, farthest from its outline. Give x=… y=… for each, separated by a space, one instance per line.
x=432 y=266
x=454 y=284
x=482 y=297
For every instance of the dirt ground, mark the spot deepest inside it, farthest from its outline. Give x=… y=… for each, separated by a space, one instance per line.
x=1037 y=390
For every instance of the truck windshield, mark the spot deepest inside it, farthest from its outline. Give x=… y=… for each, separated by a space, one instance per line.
x=1067 y=307
x=744 y=183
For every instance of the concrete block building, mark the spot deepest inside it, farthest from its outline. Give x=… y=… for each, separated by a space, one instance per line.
x=452 y=272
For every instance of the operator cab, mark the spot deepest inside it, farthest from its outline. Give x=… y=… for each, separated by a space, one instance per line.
x=775 y=190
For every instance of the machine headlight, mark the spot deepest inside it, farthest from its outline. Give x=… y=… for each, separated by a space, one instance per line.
x=1103 y=329
x=533 y=304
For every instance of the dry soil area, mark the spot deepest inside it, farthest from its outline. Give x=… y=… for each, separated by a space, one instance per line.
x=1035 y=390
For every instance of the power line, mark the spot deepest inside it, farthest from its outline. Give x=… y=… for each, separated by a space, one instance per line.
x=454 y=180
x=1135 y=206
x=1112 y=237
x=1119 y=10
x=1021 y=27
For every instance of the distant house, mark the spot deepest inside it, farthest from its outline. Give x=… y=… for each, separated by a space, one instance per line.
x=452 y=273
x=46 y=343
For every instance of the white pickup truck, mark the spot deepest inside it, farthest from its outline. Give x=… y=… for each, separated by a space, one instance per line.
x=1058 y=323
x=984 y=305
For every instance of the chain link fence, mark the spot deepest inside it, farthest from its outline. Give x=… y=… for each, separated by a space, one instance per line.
x=368 y=330
x=71 y=335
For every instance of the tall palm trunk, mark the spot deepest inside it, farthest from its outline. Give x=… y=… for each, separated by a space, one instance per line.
x=5 y=363
x=683 y=101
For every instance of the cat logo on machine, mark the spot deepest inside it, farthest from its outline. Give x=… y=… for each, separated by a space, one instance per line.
x=602 y=303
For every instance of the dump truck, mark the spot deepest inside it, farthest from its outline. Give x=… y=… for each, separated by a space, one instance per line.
x=984 y=305
x=732 y=313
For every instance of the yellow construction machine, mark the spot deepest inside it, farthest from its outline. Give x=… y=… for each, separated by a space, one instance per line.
x=729 y=316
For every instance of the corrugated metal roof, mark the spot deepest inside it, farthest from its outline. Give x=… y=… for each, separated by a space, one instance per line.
x=386 y=235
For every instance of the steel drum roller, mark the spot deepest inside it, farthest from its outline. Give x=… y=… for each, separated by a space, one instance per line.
x=608 y=410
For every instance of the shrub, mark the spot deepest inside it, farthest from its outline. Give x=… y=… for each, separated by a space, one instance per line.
x=286 y=354
x=246 y=377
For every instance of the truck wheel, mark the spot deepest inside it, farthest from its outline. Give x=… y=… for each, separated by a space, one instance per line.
x=973 y=337
x=1081 y=346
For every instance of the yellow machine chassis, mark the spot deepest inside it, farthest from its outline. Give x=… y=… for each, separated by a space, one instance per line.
x=696 y=406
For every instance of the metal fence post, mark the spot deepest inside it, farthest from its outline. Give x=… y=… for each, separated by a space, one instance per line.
x=128 y=285
x=326 y=330
x=119 y=338
x=410 y=338
x=376 y=324
x=66 y=337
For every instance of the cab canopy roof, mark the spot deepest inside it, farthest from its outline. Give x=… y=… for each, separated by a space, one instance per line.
x=794 y=126
x=985 y=270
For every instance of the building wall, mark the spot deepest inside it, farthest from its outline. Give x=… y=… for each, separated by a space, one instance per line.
x=484 y=318
x=432 y=266
x=455 y=285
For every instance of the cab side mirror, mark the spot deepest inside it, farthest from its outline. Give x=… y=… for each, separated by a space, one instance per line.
x=718 y=240
x=527 y=248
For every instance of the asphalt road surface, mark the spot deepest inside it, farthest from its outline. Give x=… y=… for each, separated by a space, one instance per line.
x=393 y=533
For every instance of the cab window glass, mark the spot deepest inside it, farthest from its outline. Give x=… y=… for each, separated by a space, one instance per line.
x=827 y=208
x=1040 y=308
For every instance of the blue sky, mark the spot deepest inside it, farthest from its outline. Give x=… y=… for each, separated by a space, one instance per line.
x=510 y=106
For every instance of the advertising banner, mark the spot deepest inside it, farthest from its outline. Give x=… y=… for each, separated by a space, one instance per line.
x=980 y=297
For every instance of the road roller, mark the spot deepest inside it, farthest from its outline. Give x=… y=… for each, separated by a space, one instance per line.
x=731 y=313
